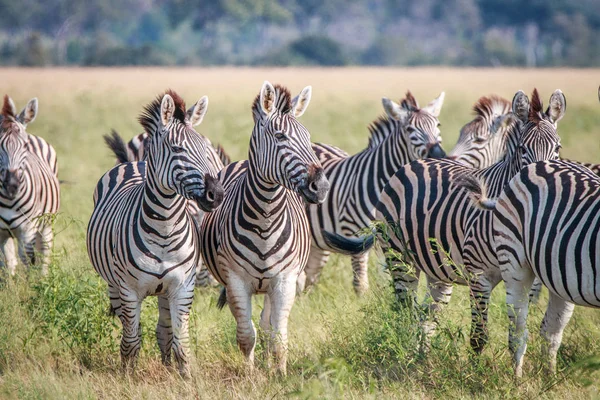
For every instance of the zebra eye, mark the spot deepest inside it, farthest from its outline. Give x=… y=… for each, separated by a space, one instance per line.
x=558 y=147
x=279 y=135
x=177 y=149
x=478 y=140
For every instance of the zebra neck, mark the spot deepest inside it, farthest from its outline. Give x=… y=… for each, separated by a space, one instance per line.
x=161 y=211
x=394 y=154
x=499 y=175
x=262 y=200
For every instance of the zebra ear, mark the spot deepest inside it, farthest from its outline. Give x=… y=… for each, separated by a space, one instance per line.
x=29 y=112
x=394 y=110
x=557 y=107
x=300 y=102
x=197 y=112
x=435 y=107
x=167 y=109
x=267 y=98
x=520 y=106
x=9 y=109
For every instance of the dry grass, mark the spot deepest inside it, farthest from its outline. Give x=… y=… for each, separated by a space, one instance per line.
x=55 y=345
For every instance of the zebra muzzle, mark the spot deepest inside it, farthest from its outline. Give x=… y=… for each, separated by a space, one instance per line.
x=213 y=194
x=316 y=186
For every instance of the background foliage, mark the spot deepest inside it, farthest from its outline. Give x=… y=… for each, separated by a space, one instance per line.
x=300 y=32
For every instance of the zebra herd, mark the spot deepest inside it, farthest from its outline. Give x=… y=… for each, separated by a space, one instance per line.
x=175 y=212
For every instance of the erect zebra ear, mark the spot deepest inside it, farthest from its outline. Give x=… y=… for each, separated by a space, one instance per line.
x=435 y=107
x=167 y=109
x=557 y=107
x=267 y=98
x=197 y=112
x=520 y=106
x=393 y=110
x=300 y=102
x=29 y=112
x=8 y=108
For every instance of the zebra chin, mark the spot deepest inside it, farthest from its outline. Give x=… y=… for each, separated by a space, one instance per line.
x=210 y=197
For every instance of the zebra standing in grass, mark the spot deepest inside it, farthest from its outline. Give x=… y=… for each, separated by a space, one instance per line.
x=406 y=134
x=29 y=189
x=134 y=151
x=546 y=225
x=142 y=239
x=259 y=240
x=434 y=227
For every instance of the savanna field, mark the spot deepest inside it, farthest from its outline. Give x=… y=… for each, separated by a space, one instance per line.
x=58 y=341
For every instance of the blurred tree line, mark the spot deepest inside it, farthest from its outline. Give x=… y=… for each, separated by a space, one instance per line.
x=300 y=32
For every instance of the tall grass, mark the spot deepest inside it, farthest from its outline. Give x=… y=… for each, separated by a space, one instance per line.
x=57 y=339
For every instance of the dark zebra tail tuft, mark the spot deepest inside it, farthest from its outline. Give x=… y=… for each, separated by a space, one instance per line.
x=222 y=299
x=477 y=190
x=349 y=246
x=117 y=145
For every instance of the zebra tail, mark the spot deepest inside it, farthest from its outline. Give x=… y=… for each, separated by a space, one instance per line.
x=477 y=191
x=117 y=145
x=222 y=299
x=349 y=246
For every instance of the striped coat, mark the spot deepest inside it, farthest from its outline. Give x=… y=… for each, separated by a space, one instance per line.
x=407 y=133
x=143 y=240
x=29 y=189
x=258 y=241
x=435 y=229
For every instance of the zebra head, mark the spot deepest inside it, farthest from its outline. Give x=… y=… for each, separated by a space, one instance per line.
x=13 y=145
x=481 y=142
x=176 y=153
x=538 y=140
x=420 y=124
x=280 y=149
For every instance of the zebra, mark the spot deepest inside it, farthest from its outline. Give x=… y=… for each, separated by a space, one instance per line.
x=406 y=133
x=134 y=151
x=434 y=228
x=29 y=189
x=477 y=146
x=142 y=239
x=259 y=239
x=546 y=225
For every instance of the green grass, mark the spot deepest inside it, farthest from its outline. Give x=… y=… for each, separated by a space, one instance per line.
x=57 y=340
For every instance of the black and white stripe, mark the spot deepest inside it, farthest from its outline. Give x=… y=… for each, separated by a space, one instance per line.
x=258 y=241
x=29 y=189
x=407 y=133
x=435 y=229
x=142 y=238
x=546 y=225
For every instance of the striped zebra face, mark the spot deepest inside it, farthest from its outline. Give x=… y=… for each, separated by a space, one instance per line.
x=481 y=142
x=178 y=154
x=421 y=125
x=539 y=139
x=13 y=151
x=280 y=146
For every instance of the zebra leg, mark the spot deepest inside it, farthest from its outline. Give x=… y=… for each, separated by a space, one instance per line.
x=517 y=304
x=129 y=313
x=265 y=327
x=44 y=239
x=203 y=276
x=180 y=304
x=317 y=259
x=535 y=292
x=9 y=253
x=240 y=304
x=27 y=246
x=405 y=280
x=555 y=320
x=360 y=265
x=481 y=288
x=438 y=296
x=164 y=330
x=281 y=297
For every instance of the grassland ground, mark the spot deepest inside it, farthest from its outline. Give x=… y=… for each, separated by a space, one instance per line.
x=57 y=340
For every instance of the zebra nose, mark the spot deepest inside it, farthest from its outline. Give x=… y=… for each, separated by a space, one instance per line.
x=436 y=151
x=213 y=194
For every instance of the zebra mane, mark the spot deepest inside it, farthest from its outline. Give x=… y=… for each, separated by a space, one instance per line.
x=283 y=101
x=150 y=118
x=487 y=107
x=410 y=103
x=379 y=130
x=536 y=109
